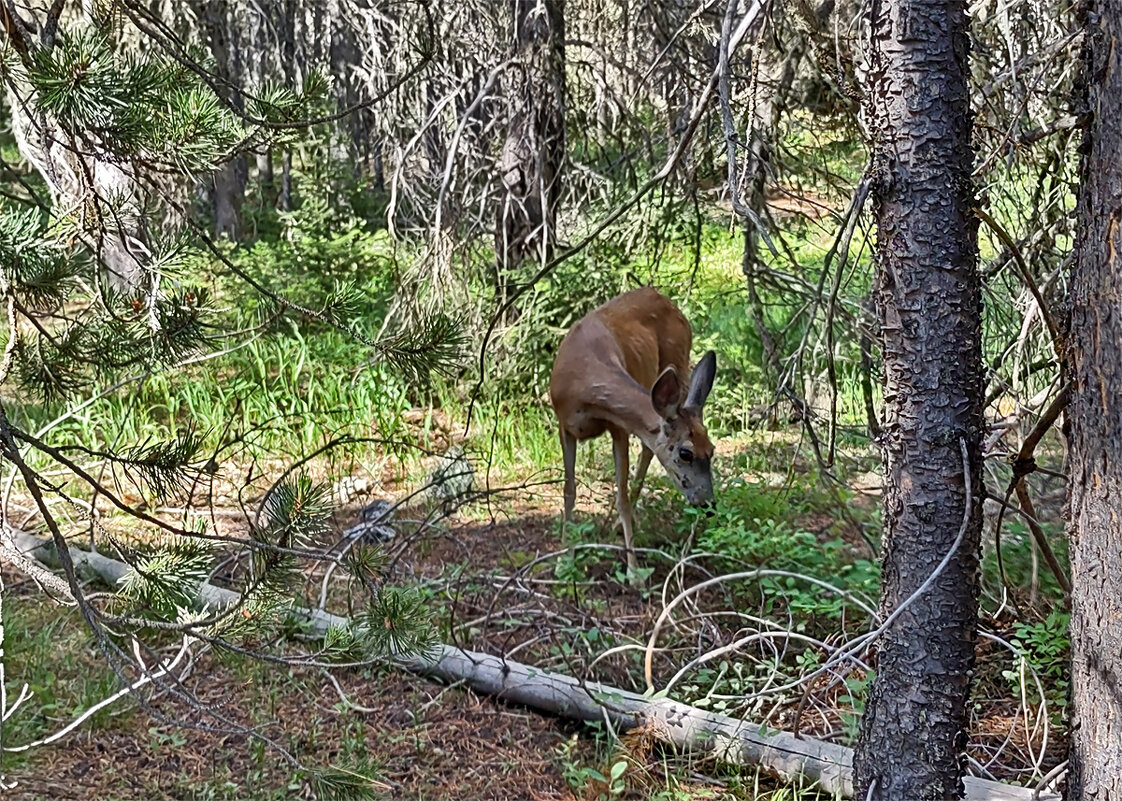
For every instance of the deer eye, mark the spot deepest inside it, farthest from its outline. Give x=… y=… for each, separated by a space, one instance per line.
x=685 y=454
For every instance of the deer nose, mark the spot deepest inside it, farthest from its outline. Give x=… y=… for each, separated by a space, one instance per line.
x=703 y=501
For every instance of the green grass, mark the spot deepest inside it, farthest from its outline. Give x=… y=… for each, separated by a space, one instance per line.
x=50 y=650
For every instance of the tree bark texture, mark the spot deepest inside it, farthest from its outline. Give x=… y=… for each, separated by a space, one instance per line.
x=534 y=149
x=1095 y=424
x=929 y=307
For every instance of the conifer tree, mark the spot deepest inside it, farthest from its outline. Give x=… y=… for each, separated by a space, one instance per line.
x=100 y=286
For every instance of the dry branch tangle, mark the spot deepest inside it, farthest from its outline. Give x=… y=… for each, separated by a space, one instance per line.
x=687 y=728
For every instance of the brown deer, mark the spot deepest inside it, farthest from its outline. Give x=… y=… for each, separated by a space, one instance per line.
x=621 y=369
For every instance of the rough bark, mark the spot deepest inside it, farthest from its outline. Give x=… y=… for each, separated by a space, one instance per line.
x=1095 y=424
x=534 y=149
x=928 y=297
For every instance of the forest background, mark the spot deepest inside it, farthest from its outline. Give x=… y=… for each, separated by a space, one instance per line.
x=283 y=283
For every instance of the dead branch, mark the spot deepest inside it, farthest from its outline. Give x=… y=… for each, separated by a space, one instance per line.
x=686 y=728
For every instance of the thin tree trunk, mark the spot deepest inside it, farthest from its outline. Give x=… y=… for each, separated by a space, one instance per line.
x=228 y=189
x=534 y=150
x=228 y=194
x=265 y=173
x=929 y=307
x=289 y=26
x=284 y=199
x=1095 y=425
x=258 y=66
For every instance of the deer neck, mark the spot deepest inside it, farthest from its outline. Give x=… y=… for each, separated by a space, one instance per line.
x=627 y=403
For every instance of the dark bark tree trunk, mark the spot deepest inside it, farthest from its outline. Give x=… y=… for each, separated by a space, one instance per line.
x=265 y=173
x=534 y=150
x=929 y=307
x=1095 y=425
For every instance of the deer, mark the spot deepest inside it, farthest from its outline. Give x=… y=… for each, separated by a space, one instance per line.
x=622 y=369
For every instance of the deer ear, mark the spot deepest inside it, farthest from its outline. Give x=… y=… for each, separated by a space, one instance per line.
x=701 y=382
x=666 y=394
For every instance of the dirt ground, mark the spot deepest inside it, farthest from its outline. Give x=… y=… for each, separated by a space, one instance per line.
x=428 y=743
x=493 y=569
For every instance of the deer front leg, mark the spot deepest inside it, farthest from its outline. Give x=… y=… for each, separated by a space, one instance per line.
x=641 y=472
x=623 y=501
x=569 y=457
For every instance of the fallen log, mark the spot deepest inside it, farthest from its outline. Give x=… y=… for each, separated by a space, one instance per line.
x=786 y=756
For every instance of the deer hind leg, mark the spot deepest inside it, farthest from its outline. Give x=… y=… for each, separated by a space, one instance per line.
x=623 y=501
x=641 y=472
x=569 y=457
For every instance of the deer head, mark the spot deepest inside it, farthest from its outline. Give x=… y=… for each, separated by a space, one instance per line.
x=683 y=444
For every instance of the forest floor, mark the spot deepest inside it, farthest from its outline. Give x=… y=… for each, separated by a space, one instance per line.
x=427 y=741
x=496 y=571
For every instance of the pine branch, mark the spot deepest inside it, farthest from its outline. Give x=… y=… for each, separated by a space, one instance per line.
x=51 y=366
x=296 y=512
x=337 y=784
x=397 y=623
x=341 y=644
x=165 y=468
x=38 y=269
x=167 y=577
x=435 y=343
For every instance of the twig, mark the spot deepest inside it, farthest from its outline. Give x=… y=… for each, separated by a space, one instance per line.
x=148 y=676
x=1026 y=276
x=1023 y=465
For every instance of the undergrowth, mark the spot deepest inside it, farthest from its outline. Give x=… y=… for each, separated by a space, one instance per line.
x=280 y=389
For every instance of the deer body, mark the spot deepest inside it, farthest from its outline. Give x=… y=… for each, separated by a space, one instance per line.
x=622 y=369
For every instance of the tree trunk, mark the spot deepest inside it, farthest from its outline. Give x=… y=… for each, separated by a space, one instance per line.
x=265 y=173
x=1095 y=425
x=929 y=306
x=228 y=189
x=259 y=66
x=289 y=27
x=284 y=199
x=532 y=155
x=228 y=194
x=76 y=174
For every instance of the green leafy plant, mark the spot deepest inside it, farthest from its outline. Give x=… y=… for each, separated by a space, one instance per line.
x=1046 y=646
x=856 y=691
x=583 y=778
x=572 y=566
